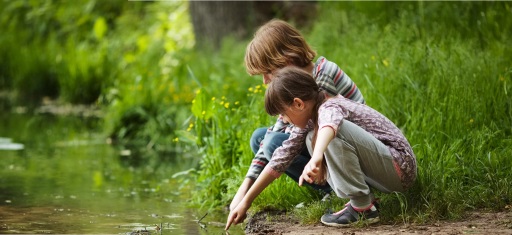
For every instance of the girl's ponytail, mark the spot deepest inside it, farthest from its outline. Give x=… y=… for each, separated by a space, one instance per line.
x=314 y=117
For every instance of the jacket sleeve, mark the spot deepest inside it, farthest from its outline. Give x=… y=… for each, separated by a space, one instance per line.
x=335 y=81
x=284 y=155
x=260 y=160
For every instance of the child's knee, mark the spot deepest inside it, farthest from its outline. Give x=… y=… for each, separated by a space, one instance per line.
x=256 y=138
x=272 y=141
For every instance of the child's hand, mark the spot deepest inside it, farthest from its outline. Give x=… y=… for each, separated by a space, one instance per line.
x=237 y=215
x=313 y=173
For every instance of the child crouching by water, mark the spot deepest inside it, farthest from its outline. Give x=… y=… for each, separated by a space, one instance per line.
x=353 y=148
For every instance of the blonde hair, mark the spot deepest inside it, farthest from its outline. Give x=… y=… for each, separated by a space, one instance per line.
x=275 y=45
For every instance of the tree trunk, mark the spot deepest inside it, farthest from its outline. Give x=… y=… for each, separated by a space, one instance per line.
x=213 y=20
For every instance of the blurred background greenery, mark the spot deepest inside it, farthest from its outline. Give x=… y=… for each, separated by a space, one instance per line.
x=168 y=77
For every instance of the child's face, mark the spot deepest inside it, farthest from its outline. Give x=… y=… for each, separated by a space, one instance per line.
x=296 y=116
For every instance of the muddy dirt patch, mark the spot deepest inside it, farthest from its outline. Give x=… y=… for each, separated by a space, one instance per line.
x=478 y=222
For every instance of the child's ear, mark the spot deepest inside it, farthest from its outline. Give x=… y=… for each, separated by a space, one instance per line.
x=298 y=104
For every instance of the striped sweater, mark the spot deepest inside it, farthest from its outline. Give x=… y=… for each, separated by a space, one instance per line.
x=332 y=80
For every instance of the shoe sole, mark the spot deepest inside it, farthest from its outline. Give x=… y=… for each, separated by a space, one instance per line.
x=369 y=221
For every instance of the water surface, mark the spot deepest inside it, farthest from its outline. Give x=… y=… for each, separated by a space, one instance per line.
x=66 y=179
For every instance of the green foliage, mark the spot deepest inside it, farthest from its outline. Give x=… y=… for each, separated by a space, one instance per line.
x=29 y=67
x=77 y=50
x=83 y=71
x=130 y=57
x=150 y=96
x=58 y=55
x=219 y=126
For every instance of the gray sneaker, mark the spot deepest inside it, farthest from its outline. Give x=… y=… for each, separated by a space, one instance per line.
x=349 y=215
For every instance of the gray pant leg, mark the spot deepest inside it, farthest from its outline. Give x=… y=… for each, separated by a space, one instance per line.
x=356 y=160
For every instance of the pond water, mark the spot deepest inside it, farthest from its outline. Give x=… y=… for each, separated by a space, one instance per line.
x=59 y=176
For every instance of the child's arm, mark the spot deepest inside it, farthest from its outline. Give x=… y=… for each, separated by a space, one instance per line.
x=313 y=170
x=238 y=214
x=282 y=155
x=328 y=72
x=242 y=190
x=258 y=163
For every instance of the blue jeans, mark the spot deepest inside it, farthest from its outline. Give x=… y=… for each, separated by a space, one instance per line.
x=275 y=140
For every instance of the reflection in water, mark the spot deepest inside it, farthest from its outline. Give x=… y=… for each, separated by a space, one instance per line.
x=67 y=179
x=7 y=144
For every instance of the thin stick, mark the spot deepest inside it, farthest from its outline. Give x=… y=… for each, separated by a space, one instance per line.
x=199 y=221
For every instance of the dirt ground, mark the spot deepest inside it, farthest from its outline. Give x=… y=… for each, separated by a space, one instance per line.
x=475 y=223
